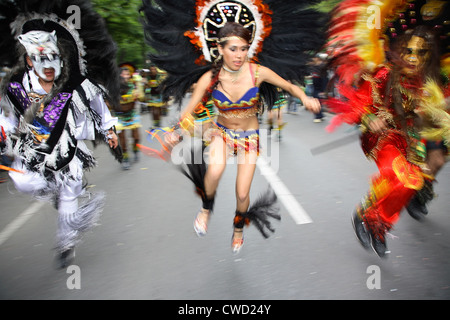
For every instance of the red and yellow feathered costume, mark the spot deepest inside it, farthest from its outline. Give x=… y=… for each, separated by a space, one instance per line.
x=413 y=107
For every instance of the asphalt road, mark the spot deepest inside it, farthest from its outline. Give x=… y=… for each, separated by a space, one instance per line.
x=145 y=246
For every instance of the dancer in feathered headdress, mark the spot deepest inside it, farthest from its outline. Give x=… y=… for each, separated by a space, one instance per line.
x=390 y=57
x=235 y=52
x=63 y=70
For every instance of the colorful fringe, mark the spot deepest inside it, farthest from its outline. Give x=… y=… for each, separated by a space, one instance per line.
x=128 y=120
x=433 y=106
x=236 y=141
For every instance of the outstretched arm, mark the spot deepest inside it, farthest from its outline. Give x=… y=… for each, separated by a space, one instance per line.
x=267 y=75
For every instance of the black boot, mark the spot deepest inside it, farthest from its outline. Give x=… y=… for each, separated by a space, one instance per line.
x=361 y=231
x=66 y=257
x=379 y=245
x=378 y=231
x=417 y=207
x=201 y=227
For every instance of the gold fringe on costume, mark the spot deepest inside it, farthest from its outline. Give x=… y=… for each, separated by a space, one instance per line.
x=433 y=106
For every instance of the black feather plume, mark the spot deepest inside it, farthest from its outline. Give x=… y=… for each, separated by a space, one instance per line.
x=100 y=49
x=194 y=168
x=298 y=32
x=264 y=208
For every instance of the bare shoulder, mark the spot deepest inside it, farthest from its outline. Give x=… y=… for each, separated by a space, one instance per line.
x=205 y=79
x=264 y=71
x=257 y=66
x=206 y=75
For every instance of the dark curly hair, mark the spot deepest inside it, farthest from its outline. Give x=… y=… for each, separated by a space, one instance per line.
x=228 y=30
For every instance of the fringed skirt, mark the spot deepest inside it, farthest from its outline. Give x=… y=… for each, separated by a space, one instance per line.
x=236 y=140
x=128 y=120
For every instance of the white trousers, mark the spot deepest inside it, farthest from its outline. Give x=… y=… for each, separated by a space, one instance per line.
x=67 y=193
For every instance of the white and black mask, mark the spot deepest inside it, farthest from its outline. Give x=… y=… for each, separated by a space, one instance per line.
x=41 y=47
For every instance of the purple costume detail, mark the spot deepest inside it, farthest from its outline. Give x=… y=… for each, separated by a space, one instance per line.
x=19 y=92
x=51 y=112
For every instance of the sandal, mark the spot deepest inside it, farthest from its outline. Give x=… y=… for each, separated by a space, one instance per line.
x=237 y=243
x=201 y=225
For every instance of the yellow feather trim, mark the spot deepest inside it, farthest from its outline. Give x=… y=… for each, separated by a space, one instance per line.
x=433 y=106
x=369 y=30
x=445 y=65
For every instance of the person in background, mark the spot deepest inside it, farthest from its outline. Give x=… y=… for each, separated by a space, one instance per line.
x=153 y=95
x=129 y=118
x=319 y=79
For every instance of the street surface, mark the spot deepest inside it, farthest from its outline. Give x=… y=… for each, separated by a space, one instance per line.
x=145 y=246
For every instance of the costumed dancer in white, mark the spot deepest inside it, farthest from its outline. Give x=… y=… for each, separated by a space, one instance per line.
x=52 y=105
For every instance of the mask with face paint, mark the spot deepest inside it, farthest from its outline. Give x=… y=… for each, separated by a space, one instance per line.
x=43 y=51
x=415 y=54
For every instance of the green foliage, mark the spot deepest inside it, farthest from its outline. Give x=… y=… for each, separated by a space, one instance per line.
x=326 y=5
x=123 y=21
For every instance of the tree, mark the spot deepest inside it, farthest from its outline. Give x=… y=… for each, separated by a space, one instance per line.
x=326 y=5
x=123 y=21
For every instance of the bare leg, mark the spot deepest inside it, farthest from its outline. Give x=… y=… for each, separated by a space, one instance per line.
x=216 y=167
x=245 y=173
x=136 y=138
x=122 y=141
x=156 y=116
x=280 y=119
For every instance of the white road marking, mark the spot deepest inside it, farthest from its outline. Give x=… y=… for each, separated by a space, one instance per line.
x=19 y=221
x=284 y=195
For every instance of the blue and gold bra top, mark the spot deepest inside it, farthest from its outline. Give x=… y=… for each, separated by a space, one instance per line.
x=247 y=106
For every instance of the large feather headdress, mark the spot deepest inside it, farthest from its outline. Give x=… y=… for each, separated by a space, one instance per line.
x=91 y=50
x=360 y=31
x=286 y=34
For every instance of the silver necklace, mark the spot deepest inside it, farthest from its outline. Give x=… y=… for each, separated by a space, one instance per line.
x=234 y=74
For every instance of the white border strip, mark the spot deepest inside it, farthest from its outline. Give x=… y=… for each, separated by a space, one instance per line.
x=284 y=195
